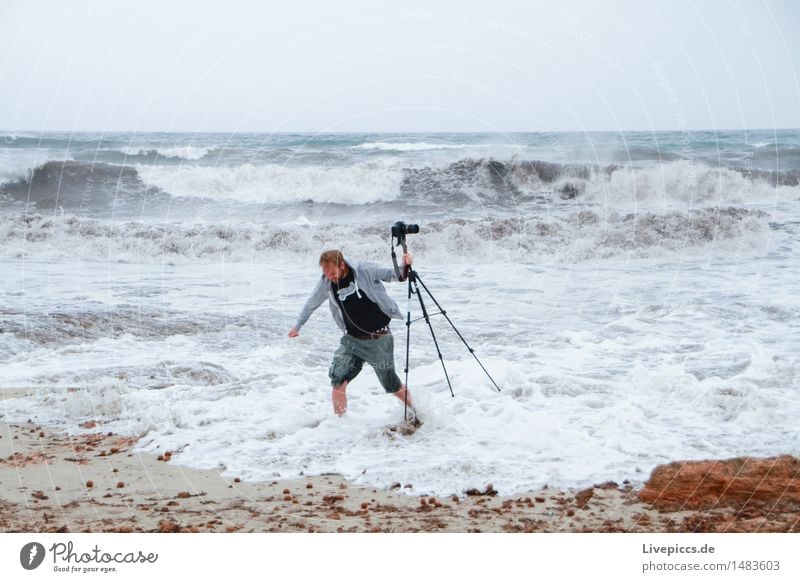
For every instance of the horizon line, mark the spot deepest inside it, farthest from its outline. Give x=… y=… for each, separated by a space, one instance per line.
x=388 y=132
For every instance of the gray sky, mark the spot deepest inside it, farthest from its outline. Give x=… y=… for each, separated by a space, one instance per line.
x=399 y=66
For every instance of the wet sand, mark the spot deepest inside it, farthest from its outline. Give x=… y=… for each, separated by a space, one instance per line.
x=51 y=482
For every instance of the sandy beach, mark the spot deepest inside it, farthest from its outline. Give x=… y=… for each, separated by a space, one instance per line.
x=51 y=482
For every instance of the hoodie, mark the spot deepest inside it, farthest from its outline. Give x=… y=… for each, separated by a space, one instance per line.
x=367 y=278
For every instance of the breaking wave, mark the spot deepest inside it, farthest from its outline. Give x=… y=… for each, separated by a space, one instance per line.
x=190 y=153
x=472 y=182
x=575 y=236
x=411 y=146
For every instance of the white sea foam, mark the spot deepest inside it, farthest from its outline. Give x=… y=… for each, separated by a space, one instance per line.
x=191 y=153
x=19 y=165
x=15 y=173
x=681 y=185
x=363 y=183
x=564 y=238
x=413 y=146
x=185 y=152
x=605 y=373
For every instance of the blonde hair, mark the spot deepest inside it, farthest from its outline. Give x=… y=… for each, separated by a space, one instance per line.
x=331 y=257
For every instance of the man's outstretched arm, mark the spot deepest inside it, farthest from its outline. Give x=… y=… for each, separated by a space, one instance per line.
x=317 y=298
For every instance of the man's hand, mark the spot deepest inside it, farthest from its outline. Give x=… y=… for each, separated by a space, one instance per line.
x=408 y=259
x=293 y=332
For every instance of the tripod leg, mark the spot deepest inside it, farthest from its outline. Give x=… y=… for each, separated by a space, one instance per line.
x=408 y=346
x=443 y=312
x=413 y=276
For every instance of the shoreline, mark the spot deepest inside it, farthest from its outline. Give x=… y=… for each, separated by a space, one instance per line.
x=51 y=482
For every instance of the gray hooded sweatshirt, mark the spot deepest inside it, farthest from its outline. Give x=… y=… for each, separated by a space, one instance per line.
x=367 y=278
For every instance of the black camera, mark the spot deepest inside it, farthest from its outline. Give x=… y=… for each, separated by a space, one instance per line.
x=400 y=229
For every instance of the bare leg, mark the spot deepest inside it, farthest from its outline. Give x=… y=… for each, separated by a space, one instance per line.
x=339 y=397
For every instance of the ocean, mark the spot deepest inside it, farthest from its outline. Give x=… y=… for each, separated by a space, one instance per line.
x=633 y=294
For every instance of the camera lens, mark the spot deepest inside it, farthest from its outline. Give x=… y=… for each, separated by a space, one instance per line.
x=401 y=229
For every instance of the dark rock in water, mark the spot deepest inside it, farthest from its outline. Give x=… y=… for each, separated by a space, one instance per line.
x=489 y=491
x=739 y=483
x=568 y=191
x=405 y=427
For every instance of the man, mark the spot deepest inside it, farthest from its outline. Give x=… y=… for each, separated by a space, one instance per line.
x=362 y=309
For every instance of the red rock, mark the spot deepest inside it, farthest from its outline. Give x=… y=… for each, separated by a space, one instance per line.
x=744 y=481
x=168 y=526
x=583 y=497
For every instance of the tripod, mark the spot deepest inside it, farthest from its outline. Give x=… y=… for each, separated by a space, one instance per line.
x=414 y=281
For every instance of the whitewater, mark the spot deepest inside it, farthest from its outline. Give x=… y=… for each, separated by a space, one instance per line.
x=634 y=295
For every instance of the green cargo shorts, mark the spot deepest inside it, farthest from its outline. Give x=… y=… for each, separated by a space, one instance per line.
x=351 y=354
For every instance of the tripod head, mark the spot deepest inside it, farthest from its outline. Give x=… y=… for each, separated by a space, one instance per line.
x=399 y=231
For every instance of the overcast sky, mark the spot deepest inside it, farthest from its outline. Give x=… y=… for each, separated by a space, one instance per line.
x=399 y=66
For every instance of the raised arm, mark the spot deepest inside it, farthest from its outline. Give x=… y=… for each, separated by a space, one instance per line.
x=388 y=274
